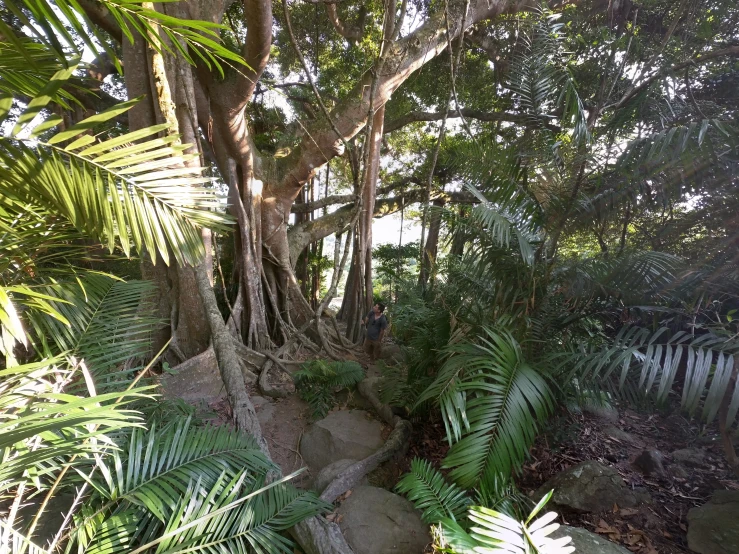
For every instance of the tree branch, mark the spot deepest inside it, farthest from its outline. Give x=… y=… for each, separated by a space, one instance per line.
x=405 y=56
x=352 y=33
x=696 y=60
x=415 y=116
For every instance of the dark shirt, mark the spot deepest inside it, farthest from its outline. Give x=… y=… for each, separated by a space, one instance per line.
x=375 y=325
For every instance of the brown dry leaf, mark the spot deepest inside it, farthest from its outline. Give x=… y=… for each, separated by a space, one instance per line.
x=633 y=538
x=338 y=519
x=615 y=508
x=628 y=512
x=605 y=529
x=332 y=516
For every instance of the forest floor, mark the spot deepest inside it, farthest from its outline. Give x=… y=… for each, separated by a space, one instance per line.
x=656 y=528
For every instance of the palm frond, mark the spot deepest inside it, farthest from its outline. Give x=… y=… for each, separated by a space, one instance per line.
x=20 y=78
x=541 y=81
x=634 y=277
x=101 y=323
x=676 y=145
x=491 y=400
x=12 y=541
x=55 y=24
x=493 y=531
x=318 y=379
x=652 y=359
x=431 y=494
x=235 y=515
x=159 y=465
x=39 y=422
x=119 y=191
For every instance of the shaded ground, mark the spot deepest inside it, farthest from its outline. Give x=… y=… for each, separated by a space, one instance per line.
x=657 y=528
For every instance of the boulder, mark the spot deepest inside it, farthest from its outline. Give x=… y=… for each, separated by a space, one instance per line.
x=586 y=542
x=712 y=528
x=694 y=457
x=651 y=462
x=346 y=434
x=331 y=472
x=620 y=435
x=264 y=408
x=391 y=353
x=375 y=521
x=604 y=412
x=591 y=487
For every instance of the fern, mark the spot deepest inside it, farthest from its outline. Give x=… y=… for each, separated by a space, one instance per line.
x=318 y=379
x=430 y=493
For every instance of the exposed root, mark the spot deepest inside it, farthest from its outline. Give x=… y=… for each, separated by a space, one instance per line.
x=395 y=443
x=266 y=387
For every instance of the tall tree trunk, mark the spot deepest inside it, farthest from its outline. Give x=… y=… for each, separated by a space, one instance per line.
x=431 y=248
x=368 y=204
x=460 y=237
x=358 y=290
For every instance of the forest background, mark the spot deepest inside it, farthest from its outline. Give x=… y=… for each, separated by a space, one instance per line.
x=572 y=167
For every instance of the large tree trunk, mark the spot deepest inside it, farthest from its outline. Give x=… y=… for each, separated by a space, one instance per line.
x=358 y=290
x=431 y=248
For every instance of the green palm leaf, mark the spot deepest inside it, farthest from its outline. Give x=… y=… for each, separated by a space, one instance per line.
x=158 y=466
x=241 y=518
x=39 y=423
x=56 y=23
x=431 y=494
x=650 y=360
x=101 y=323
x=491 y=401
x=119 y=191
x=494 y=532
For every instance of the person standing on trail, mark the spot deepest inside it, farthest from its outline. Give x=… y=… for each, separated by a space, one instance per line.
x=376 y=323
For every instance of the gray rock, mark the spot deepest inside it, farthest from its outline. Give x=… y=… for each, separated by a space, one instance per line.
x=391 y=353
x=376 y=521
x=264 y=408
x=604 y=412
x=586 y=542
x=591 y=487
x=679 y=471
x=340 y=435
x=619 y=434
x=331 y=472
x=712 y=528
x=694 y=457
x=651 y=462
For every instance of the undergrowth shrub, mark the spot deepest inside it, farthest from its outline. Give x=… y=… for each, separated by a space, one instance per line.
x=319 y=380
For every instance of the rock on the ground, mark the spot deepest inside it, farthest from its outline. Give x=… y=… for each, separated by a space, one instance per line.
x=374 y=520
x=604 y=412
x=340 y=435
x=651 y=462
x=391 y=353
x=620 y=435
x=591 y=487
x=712 y=528
x=694 y=457
x=331 y=472
x=586 y=542
x=264 y=408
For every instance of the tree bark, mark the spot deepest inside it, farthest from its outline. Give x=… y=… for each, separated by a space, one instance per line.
x=431 y=248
